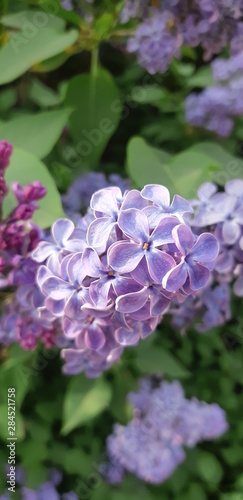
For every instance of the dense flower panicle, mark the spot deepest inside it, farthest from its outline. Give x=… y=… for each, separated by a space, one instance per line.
x=20 y=321
x=110 y=279
x=151 y=445
x=77 y=198
x=216 y=107
x=222 y=214
x=169 y=25
x=46 y=491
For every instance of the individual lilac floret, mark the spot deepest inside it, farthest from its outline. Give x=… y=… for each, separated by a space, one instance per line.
x=110 y=279
x=77 y=198
x=194 y=267
x=151 y=445
x=221 y=212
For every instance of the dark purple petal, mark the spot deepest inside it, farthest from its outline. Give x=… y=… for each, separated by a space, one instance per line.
x=62 y=229
x=159 y=263
x=42 y=251
x=104 y=201
x=162 y=234
x=42 y=274
x=55 y=306
x=124 y=256
x=154 y=215
x=91 y=263
x=134 y=199
x=180 y=206
x=183 y=238
x=98 y=312
x=159 y=306
x=156 y=193
x=199 y=276
x=75 y=269
x=238 y=214
x=99 y=231
x=205 y=249
x=57 y=288
x=134 y=223
x=231 y=232
x=123 y=285
x=141 y=274
x=71 y=328
x=99 y=291
x=94 y=338
x=127 y=337
x=175 y=278
x=132 y=301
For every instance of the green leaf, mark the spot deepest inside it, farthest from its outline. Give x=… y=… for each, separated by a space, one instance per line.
x=231 y=166
x=28 y=19
x=209 y=468
x=182 y=173
x=8 y=99
x=84 y=400
x=147 y=94
x=30 y=46
x=26 y=168
x=102 y=26
x=146 y=164
x=96 y=116
x=42 y=95
x=202 y=78
x=189 y=170
x=36 y=133
x=152 y=359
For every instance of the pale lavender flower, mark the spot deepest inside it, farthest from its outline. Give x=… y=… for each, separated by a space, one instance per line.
x=151 y=445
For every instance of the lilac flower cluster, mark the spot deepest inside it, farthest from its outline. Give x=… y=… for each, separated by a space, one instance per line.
x=216 y=107
x=151 y=445
x=77 y=198
x=222 y=214
x=18 y=237
x=111 y=278
x=165 y=28
x=46 y=491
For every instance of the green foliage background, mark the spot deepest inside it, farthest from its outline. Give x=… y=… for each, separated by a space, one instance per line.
x=72 y=101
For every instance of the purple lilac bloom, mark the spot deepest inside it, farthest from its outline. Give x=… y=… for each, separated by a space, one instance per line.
x=216 y=107
x=67 y=4
x=162 y=30
x=151 y=445
x=222 y=214
x=77 y=198
x=20 y=321
x=110 y=280
x=45 y=491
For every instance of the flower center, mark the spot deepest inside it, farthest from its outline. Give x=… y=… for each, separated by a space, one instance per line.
x=145 y=246
x=170 y=25
x=110 y=273
x=91 y=319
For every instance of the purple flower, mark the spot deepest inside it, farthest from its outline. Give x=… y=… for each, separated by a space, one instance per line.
x=125 y=256
x=6 y=150
x=150 y=446
x=161 y=207
x=196 y=256
x=63 y=237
